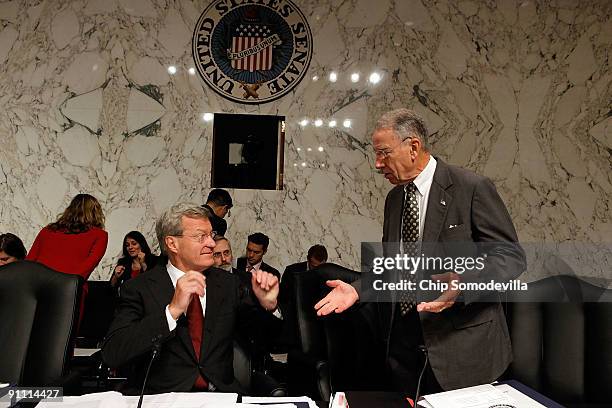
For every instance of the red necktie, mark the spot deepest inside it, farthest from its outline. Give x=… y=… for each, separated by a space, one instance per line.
x=195 y=321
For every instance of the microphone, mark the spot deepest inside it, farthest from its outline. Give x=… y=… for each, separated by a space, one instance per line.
x=156 y=349
x=418 y=389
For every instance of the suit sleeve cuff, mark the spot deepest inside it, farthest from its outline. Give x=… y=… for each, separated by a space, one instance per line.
x=170 y=319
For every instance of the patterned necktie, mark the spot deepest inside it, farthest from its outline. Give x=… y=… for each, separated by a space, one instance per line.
x=410 y=238
x=195 y=322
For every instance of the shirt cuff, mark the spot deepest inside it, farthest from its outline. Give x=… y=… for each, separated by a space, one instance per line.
x=170 y=319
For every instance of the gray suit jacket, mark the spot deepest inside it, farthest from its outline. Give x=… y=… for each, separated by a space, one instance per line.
x=468 y=344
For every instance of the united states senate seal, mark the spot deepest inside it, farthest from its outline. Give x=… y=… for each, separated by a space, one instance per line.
x=252 y=51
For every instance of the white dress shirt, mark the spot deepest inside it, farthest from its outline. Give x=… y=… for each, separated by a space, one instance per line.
x=175 y=274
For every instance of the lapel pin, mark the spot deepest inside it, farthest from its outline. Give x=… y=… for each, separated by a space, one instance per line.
x=442 y=202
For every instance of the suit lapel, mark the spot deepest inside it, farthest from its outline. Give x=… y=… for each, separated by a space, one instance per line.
x=214 y=299
x=440 y=199
x=393 y=223
x=161 y=286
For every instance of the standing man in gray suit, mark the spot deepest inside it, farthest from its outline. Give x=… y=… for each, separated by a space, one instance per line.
x=458 y=339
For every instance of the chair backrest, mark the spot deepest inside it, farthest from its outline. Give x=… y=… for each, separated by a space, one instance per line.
x=38 y=310
x=563 y=348
x=309 y=289
x=242 y=367
x=98 y=313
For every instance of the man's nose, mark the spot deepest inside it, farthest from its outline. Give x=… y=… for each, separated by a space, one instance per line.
x=378 y=163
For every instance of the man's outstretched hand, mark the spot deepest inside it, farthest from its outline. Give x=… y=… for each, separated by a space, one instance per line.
x=446 y=299
x=338 y=300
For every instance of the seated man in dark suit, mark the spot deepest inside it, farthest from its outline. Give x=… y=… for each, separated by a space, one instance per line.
x=223 y=255
x=257 y=246
x=317 y=255
x=186 y=308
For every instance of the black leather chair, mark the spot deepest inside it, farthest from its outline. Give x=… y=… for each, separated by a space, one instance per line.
x=98 y=314
x=259 y=384
x=38 y=311
x=561 y=334
x=309 y=367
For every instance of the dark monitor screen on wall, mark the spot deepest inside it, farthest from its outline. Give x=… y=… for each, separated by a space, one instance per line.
x=248 y=151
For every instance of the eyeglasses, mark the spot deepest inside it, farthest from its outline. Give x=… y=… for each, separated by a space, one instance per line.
x=225 y=253
x=201 y=237
x=383 y=154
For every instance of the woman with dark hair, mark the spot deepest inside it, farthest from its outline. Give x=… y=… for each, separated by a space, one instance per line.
x=11 y=249
x=76 y=242
x=137 y=258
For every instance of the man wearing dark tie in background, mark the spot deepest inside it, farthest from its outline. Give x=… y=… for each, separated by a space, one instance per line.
x=257 y=246
x=459 y=339
x=186 y=308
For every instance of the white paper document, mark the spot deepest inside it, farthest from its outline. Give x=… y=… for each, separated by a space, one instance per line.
x=520 y=399
x=290 y=401
x=480 y=396
x=170 y=400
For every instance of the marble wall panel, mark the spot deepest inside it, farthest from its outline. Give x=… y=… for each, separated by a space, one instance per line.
x=516 y=90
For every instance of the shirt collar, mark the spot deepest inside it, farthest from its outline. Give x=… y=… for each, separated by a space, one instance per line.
x=424 y=179
x=257 y=265
x=174 y=272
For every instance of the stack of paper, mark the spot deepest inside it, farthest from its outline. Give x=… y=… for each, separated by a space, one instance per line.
x=480 y=396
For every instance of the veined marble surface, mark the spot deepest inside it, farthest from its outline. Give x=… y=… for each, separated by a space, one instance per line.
x=516 y=90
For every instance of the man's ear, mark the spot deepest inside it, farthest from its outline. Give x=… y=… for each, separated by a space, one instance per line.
x=416 y=144
x=171 y=244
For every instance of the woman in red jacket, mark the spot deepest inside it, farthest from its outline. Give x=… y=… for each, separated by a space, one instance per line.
x=76 y=242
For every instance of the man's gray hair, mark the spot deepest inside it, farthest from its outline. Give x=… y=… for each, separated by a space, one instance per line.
x=405 y=123
x=170 y=223
x=222 y=238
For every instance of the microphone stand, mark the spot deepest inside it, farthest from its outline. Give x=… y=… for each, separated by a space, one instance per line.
x=416 y=397
x=156 y=349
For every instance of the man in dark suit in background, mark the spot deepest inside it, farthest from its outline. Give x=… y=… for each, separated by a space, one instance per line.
x=317 y=255
x=223 y=255
x=458 y=340
x=219 y=203
x=187 y=309
x=257 y=246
